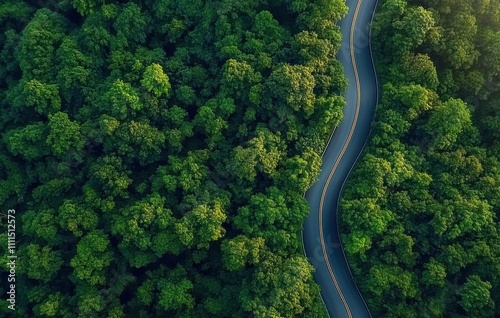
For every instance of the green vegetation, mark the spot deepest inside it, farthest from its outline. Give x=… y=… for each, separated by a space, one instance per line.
x=157 y=151
x=420 y=212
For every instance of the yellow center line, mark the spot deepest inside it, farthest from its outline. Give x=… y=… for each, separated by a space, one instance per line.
x=358 y=102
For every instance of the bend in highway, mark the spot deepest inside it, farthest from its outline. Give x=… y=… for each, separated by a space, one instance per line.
x=320 y=234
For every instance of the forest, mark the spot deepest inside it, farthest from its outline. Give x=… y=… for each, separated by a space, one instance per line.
x=419 y=214
x=156 y=153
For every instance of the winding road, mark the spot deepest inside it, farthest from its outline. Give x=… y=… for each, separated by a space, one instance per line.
x=320 y=235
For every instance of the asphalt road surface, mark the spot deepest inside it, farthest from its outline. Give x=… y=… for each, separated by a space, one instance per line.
x=321 y=237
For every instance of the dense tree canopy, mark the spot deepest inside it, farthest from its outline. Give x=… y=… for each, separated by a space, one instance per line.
x=156 y=153
x=420 y=213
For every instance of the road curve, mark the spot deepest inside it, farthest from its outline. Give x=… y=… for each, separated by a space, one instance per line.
x=320 y=234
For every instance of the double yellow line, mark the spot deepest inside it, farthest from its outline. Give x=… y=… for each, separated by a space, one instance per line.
x=358 y=102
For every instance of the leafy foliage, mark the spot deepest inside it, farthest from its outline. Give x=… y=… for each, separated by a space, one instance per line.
x=157 y=153
x=420 y=212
